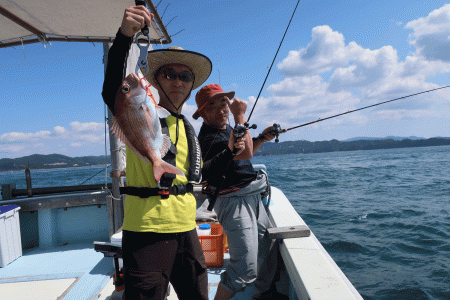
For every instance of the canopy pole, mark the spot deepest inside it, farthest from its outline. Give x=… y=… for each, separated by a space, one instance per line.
x=115 y=202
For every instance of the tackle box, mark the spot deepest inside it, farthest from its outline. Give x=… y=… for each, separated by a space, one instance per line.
x=10 y=239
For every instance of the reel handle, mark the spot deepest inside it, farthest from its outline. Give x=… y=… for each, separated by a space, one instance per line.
x=276 y=131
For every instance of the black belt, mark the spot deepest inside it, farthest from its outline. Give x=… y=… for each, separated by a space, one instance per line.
x=145 y=192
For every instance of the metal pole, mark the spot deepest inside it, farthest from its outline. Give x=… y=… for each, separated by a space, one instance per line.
x=116 y=201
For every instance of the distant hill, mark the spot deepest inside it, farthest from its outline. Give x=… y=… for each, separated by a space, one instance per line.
x=397 y=138
x=51 y=161
x=349 y=145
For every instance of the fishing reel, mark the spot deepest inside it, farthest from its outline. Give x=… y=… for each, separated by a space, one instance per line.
x=276 y=131
x=239 y=130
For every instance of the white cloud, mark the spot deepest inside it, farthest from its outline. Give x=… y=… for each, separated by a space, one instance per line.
x=12 y=148
x=92 y=126
x=23 y=137
x=326 y=51
x=298 y=100
x=356 y=77
x=90 y=138
x=431 y=35
x=58 y=130
x=78 y=135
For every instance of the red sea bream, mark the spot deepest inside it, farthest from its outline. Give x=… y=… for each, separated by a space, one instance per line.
x=136 y=123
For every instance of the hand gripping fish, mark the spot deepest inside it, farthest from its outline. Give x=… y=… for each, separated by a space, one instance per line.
x=136 y=123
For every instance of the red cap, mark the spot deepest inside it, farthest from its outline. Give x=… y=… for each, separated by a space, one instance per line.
x=206 y=93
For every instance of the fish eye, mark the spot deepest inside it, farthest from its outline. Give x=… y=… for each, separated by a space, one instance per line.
x=125 y=89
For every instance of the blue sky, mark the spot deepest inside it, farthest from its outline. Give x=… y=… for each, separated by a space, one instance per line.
x=337 y=56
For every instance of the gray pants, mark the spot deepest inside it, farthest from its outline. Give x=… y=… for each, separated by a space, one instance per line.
x=244 y=221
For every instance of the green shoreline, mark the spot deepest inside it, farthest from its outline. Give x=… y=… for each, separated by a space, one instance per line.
x=42 y=162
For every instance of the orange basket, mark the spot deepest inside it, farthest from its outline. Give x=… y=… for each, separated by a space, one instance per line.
x=213 y=245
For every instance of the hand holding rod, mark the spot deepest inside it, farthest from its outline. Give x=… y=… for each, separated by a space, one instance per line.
x=238 y=131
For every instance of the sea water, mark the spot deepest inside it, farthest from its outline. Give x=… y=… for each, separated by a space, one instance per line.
x=383 y=215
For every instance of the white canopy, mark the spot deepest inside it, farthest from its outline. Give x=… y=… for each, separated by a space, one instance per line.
x=31 y=21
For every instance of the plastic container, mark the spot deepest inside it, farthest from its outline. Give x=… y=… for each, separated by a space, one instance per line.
x=204 y=229
x=10 y=239
x=213 y=245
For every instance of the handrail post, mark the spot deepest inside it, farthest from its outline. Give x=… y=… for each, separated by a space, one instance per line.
x=115 y=202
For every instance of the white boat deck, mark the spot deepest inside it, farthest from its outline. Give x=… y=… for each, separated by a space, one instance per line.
x=78 y=272
x=72 y=272
x=109 y=293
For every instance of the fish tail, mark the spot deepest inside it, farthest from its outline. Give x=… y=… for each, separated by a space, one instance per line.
x=164 y=167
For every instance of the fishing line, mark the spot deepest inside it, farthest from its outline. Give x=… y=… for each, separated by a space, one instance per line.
x=240 y=130
x=257 y=98
x=96 y=175
x=170 y=21
x=177 y=33
x=365 y=107
x=165 y=11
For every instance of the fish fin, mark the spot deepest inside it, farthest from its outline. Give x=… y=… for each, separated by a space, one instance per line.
x=115 y=128
x=163 y=167
x=162 y=112
x=167 y=142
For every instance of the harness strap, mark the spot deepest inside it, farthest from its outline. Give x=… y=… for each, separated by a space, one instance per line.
x=170 y=157
x=195 y=153
x=194 y=157
x=145 y=192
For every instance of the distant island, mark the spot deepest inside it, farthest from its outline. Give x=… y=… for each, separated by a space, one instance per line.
x=295 y=147
x=53 y=161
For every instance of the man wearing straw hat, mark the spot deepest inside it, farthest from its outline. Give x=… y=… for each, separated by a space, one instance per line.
x=160 y=242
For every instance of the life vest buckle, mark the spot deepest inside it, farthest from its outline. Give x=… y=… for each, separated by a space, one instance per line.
x=164 y=192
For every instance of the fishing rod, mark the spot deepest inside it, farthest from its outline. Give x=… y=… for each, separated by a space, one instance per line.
x=365 y=107
x=276 y=128
x=239 y=130
x=273 y=61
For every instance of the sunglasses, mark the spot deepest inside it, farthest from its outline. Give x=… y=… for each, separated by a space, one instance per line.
x=170 y=74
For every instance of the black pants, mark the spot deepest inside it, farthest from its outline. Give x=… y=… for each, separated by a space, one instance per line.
x=151 y=260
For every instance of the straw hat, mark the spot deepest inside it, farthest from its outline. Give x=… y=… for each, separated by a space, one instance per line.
x=200 y=65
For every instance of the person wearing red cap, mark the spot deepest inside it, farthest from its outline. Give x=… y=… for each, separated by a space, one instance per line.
x=239 y=207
